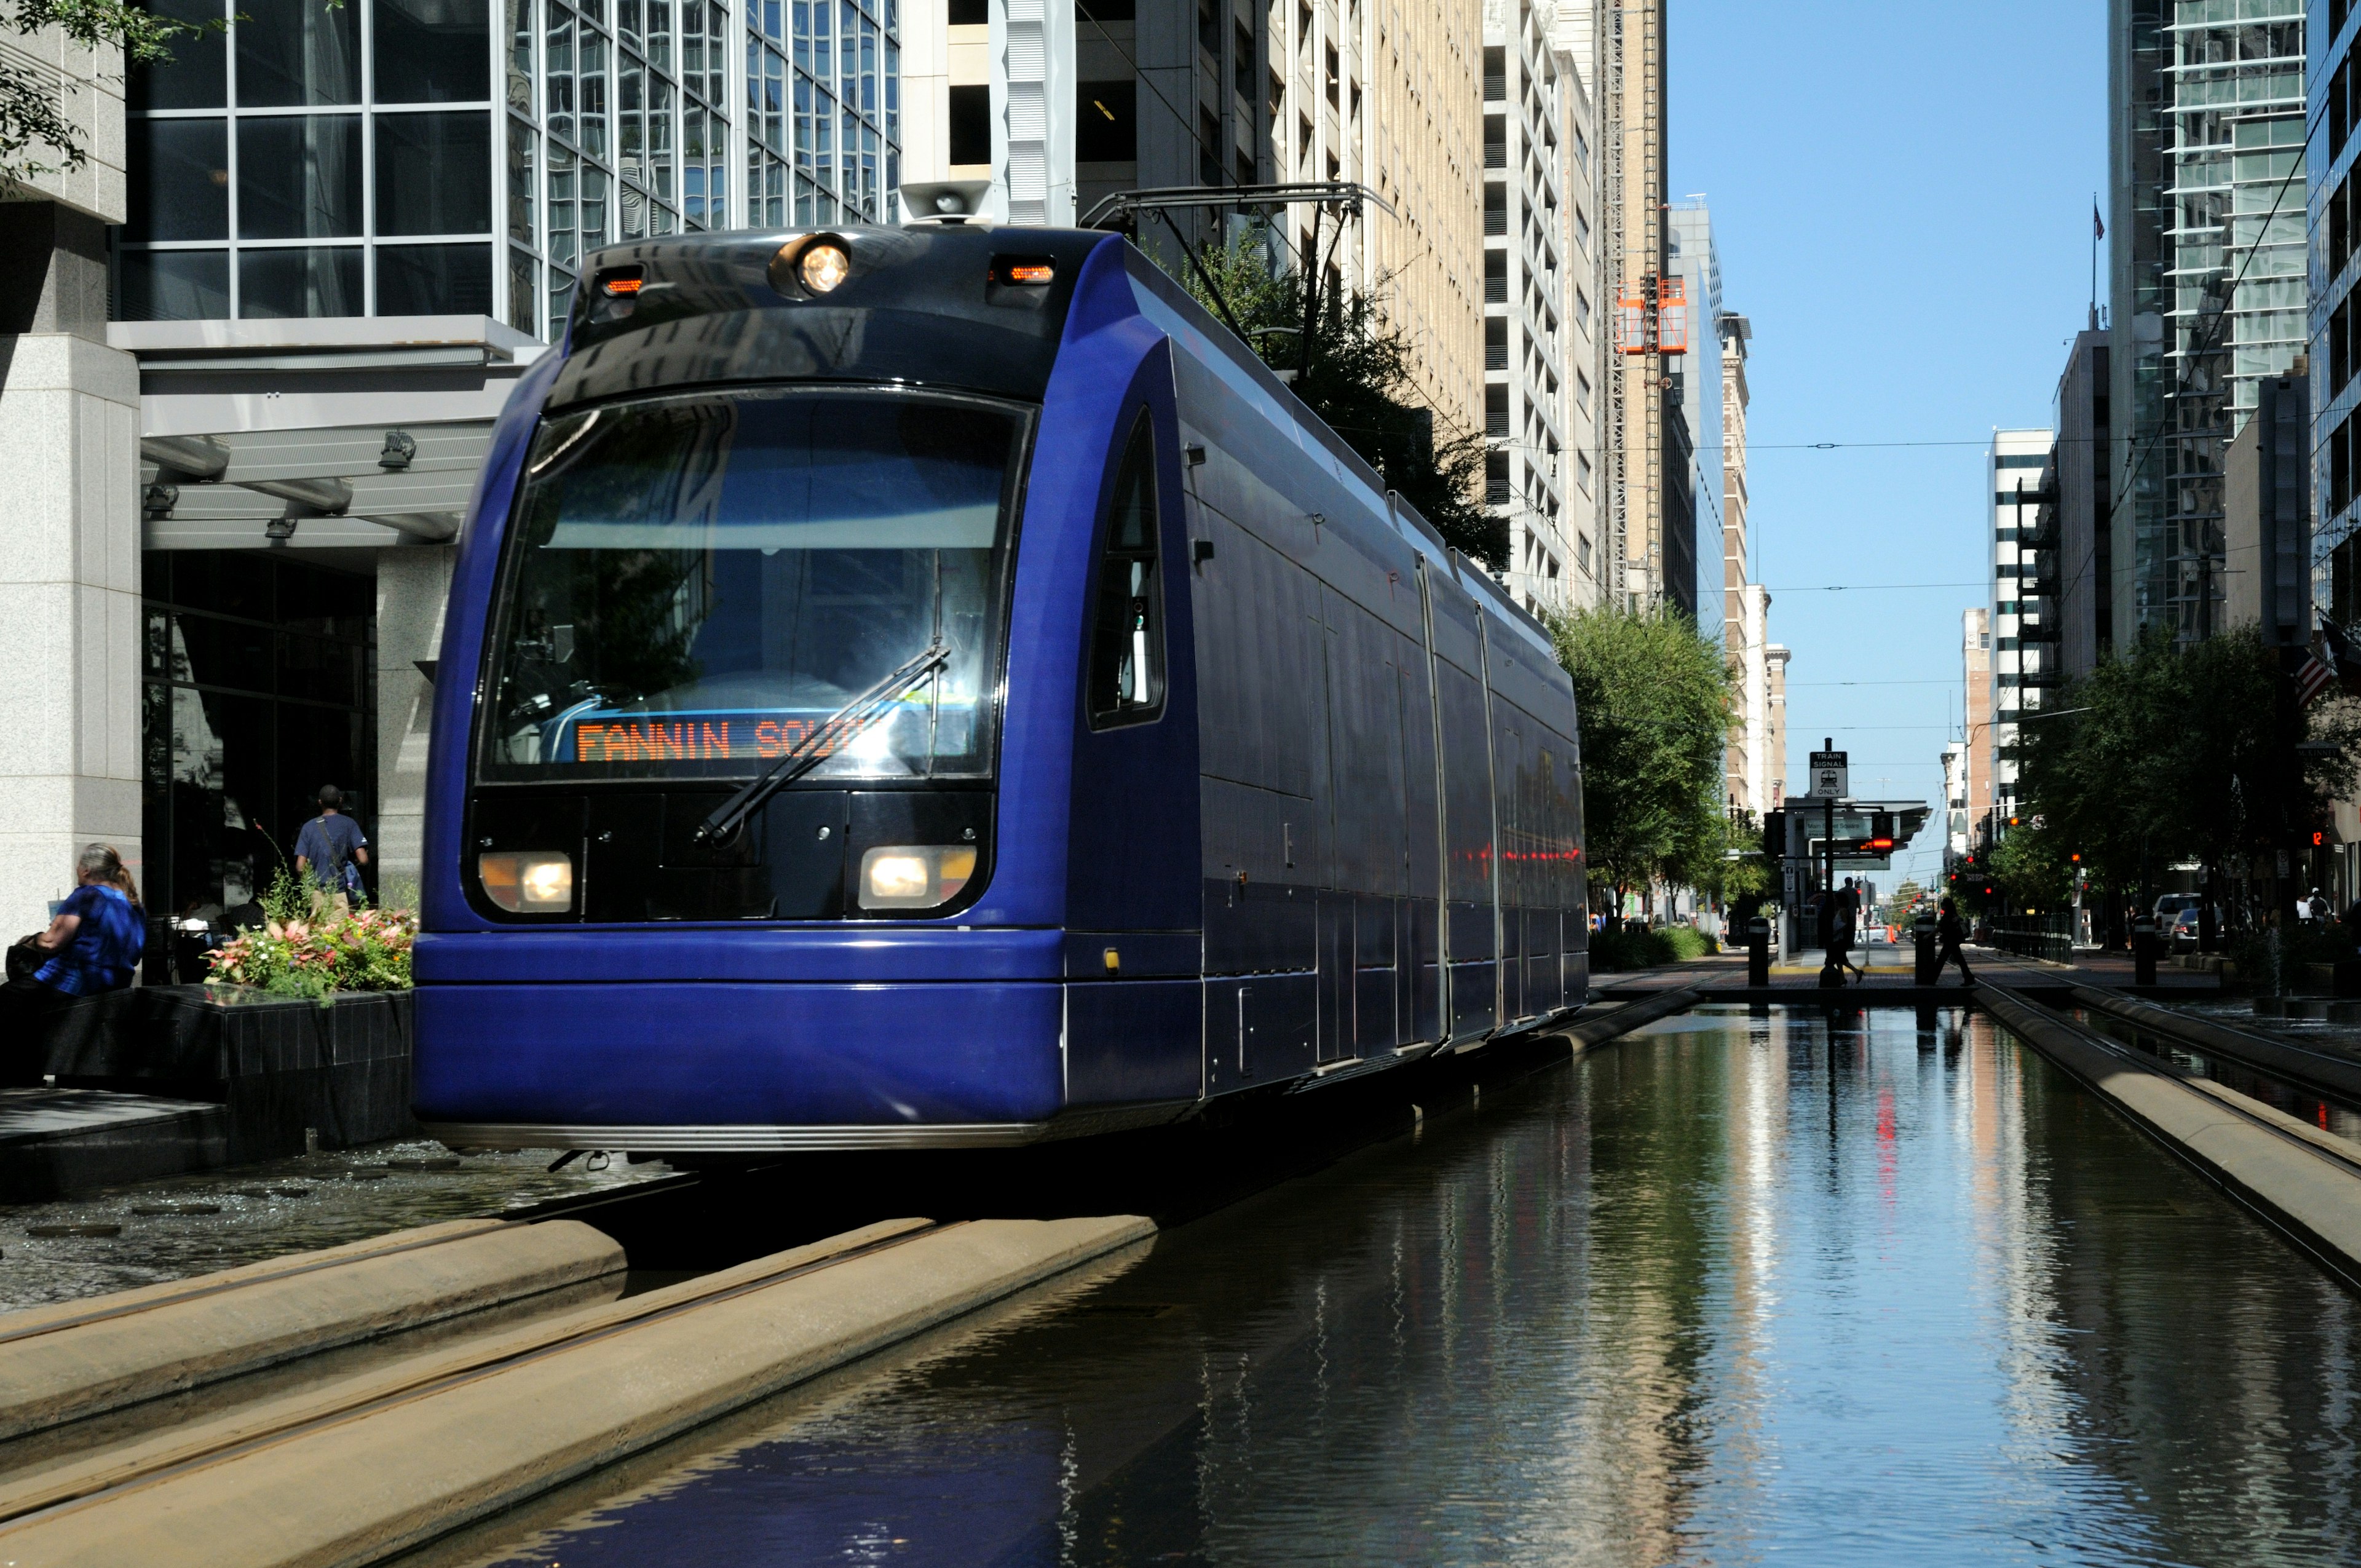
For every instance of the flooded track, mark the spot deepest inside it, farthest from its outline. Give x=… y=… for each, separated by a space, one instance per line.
x=1736 y=1289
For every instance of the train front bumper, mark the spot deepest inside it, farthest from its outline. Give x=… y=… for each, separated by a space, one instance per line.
x=746 y=1067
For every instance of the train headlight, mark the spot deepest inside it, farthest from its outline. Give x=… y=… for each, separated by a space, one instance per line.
x=915 y=876
x=822 y=267
x=534 y=882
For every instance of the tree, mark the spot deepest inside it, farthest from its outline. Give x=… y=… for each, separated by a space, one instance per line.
x=2033 y=868
x=34 y=127
x=1356 y=375
x=2175 y=751
x=1902 y=901
x=1652 y=700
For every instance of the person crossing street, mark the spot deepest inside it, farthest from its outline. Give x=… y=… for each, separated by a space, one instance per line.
x=1949 y=932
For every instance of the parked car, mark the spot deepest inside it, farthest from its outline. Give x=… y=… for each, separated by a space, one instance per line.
x=2184 y=931
x=2169 y=905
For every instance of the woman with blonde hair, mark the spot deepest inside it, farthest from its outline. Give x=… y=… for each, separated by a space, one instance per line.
x=93 y=944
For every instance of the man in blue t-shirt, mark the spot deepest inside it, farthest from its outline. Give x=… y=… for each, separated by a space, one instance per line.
x=332 y=849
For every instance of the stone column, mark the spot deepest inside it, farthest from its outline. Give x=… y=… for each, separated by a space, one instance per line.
x=69 y=609
x=412 y=584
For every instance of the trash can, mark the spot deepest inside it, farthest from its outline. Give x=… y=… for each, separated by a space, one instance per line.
x=1923 y=934
x=1758 y=951
x=2143 y=951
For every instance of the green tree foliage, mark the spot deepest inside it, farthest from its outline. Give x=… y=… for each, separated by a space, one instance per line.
x=2181 y=751
x=34 y=126
x=2034 y=868
x=1356 y=377
x=1653 y=702
x=1903 y=901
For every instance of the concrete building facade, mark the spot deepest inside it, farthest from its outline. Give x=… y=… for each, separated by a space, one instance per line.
x=1529 y=281
x=69 y=608
x=1976 y=709
x=2020 y=472
x=2085 y=508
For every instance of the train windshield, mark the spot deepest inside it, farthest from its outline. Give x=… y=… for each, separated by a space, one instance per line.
x=693 y=585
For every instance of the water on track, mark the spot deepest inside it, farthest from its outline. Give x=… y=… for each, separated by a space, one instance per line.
x=1742 y=1287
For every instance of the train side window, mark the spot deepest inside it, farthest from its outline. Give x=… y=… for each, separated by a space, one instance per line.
x=1126 y=679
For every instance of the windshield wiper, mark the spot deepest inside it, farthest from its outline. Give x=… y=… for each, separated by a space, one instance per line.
x=829 y=735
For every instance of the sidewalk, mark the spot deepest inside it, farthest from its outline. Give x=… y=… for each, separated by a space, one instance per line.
x=1894 y=968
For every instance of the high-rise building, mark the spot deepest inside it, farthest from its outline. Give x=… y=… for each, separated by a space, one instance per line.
x=2020 y=474
x=1693 y=402
x=1976 y=709
x=2333 y=360
x=1418 y=136
x=1745 y=604
x=2086 y=536
x=1646 y=500
x=1528 y=282
x=1774 y=748
x=1589 y=326
x=2206 y=150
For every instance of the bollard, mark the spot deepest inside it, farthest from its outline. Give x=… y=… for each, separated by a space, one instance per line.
x=1758 y=951
x=1924 y=934
x=2143 y=951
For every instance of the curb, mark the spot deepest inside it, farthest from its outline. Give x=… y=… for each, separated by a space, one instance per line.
x=357 y=1487
x=2304 y=1181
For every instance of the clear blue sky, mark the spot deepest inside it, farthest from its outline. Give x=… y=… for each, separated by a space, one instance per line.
x=1901 y=195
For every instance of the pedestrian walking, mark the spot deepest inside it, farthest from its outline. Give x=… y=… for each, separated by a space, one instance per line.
x=94 y=944
x=1949 y=932
x=330 y=852
x=1847 y=923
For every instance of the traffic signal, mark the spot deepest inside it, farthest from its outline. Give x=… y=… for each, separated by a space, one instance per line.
x=1775 y=835
x=1881 y=832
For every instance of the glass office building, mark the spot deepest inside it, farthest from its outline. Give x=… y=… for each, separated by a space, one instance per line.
x=2208 y=259
x=405 y=158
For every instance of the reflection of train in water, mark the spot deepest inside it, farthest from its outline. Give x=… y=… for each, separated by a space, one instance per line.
x=933 y=686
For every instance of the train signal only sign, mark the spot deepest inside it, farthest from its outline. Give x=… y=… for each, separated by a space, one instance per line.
x=1831 y=775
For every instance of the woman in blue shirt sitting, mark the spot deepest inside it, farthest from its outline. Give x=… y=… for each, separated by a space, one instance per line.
x=93 y=946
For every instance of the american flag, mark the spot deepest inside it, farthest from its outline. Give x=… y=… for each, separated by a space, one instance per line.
x=2312 y=676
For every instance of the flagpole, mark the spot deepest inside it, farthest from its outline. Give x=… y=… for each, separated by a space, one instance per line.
x=2097 y=229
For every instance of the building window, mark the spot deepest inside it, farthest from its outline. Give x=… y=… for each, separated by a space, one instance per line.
x=324 y=178
x=266 y=192
x=970 y=124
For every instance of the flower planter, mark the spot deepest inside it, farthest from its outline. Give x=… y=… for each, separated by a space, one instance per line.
x=282 y=1067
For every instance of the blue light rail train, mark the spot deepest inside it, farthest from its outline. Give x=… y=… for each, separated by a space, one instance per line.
x=934 y=688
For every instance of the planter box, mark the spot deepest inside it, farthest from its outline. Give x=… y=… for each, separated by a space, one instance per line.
x=281 y=1067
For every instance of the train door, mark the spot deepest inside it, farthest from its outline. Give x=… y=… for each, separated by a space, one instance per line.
x=1134 y=1002
x=1332 y=890
x=1419 y=979
x=1463 y=784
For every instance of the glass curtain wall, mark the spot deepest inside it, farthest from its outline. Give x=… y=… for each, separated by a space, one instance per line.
x=315 y=161
x=2234 y=234
x=312 y=161
x=621 y=125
